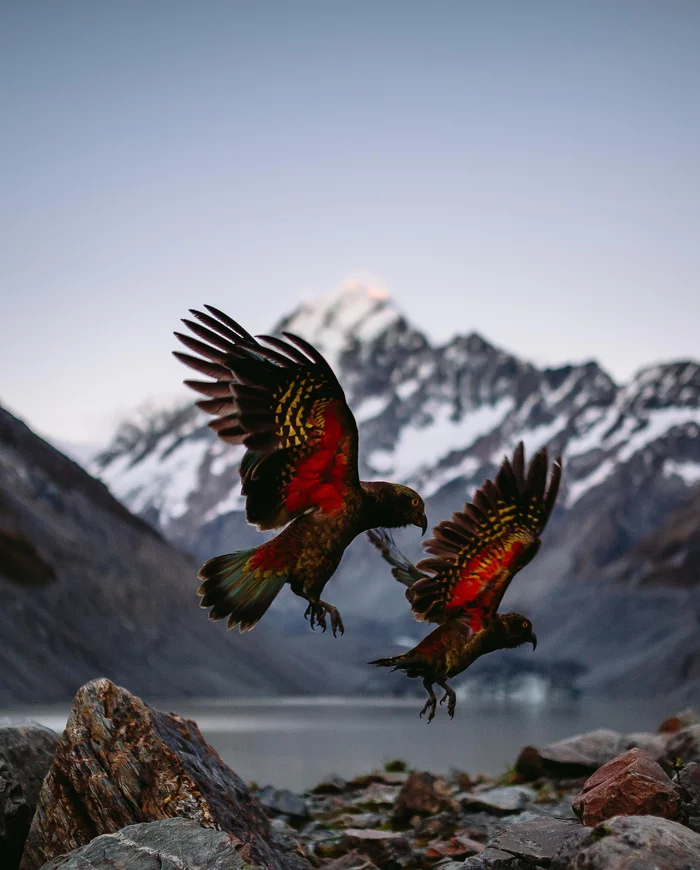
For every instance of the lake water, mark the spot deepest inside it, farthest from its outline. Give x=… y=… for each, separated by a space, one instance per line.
x=293 y=743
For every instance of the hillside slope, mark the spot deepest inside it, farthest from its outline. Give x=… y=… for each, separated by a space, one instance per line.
x=89 y=589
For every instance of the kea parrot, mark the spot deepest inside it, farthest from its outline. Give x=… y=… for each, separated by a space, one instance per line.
x=474 y=556
x=281 y=400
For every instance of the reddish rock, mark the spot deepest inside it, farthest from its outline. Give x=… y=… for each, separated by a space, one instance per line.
x=119 y=762
x=529 y=765
x=423 y=794
x=630 y=785
x=670 y=725
x=680 y=720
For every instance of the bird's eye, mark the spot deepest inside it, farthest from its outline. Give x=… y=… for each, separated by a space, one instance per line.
x=415 y=502
x=525 y=624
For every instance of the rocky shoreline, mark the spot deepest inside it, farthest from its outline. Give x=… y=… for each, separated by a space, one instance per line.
x=127 y=786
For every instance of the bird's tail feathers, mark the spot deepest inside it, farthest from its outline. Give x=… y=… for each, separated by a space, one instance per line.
x=240 y=586
x=396 y=662
x=402 y=568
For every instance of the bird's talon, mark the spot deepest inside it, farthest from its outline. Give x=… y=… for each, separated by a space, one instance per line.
x=429 y=709
x=337 y=623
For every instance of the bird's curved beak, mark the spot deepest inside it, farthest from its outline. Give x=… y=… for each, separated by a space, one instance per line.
x=422 y=523
x=533 y=640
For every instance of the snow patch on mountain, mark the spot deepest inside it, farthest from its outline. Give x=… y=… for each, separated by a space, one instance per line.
x=418 y=447
x=371 y=407
x=689 y=472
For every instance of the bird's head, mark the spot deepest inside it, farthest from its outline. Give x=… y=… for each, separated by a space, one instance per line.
x=516 y=630
x=399 y=505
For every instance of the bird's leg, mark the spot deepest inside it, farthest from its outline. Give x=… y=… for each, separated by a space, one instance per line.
x=316 y=613
x=449 y=693
x=431 y=702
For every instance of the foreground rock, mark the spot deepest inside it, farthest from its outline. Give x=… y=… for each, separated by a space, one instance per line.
x=633 y=843
x=630 y=785
x=26 y=754
x=120 y=762
x=171 y=844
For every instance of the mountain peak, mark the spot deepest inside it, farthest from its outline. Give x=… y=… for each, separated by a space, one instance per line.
x=356 y=311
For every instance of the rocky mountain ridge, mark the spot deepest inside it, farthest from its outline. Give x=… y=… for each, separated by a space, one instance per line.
x=429 y=416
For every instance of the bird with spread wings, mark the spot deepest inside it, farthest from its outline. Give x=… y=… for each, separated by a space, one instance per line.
x=281 y=400
x=473 y=557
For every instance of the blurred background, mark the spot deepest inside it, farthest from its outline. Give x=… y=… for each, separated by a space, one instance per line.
x=485 y=214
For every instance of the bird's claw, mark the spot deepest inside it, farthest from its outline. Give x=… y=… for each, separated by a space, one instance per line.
x=336 y=623
x=316 y=613
x=451 y=699
x=429 y=708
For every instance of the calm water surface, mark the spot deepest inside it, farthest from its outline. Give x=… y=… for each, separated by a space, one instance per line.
x=292 y=743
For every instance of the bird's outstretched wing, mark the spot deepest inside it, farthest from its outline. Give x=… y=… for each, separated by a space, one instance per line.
x=476 y=553
x=280 y=398
x=402 y=568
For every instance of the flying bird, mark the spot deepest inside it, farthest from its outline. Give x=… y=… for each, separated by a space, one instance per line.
x=281 y=399
x=474 y=556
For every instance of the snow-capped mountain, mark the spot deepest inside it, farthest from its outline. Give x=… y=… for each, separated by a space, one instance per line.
x=439 y=418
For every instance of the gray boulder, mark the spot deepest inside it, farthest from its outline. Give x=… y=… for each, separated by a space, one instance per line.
x=573 y=757
x=171 y=844
x=26 y=754
x=639 y=842
x=685 y=744
x=538 y=841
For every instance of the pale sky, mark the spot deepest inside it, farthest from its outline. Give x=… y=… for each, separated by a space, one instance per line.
x=525 y=169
